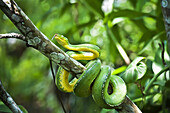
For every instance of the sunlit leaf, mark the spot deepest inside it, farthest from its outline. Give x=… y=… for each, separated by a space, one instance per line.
x=134 y=71
x=157 y=98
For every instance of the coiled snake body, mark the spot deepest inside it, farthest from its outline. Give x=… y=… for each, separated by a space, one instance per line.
x=94 y=80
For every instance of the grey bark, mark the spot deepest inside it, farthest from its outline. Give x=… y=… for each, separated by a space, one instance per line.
x=7 y=100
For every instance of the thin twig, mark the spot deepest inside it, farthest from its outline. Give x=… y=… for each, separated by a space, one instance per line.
x=52 y=71
x=58 y=94
x=13 y=35
x=162 y=46
x=8 y=101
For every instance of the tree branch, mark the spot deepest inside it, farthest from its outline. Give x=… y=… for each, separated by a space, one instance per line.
x=128 y=107
x=39 y=41
x=166 y=15
x=8 y=101
x=12 y=35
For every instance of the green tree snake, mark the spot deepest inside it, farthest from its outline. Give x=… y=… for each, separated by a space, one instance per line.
x=94 y=80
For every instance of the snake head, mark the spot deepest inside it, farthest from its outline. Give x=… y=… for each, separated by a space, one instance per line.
x=61 y=39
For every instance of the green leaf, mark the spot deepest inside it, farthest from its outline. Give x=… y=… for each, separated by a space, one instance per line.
x=149 y=43
x=80 y=26
x=4 y=108
x=157 y=98
x=160 y=83
x=140 y=4
x=134 y=71
x=65 y=7
x=116 y=31
x=94 y=6
x=140 y=24
x=126 y=13
x=23 y=109
x=119 y=70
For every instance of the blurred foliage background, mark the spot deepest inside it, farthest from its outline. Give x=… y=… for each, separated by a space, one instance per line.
x=118 y=27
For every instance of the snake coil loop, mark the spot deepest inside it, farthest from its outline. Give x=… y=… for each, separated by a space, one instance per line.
x=94 y=80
